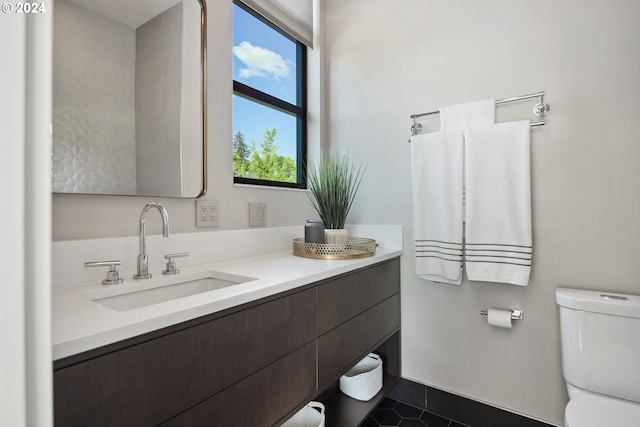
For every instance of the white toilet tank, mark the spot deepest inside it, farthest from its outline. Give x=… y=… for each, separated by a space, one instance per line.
x=600 y=342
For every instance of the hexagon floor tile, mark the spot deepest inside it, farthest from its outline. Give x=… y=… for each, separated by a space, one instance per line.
x=391 y=413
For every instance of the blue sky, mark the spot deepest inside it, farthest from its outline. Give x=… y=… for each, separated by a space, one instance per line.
x=264 y=59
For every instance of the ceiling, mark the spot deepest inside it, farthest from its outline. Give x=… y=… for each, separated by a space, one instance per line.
x=131 y=13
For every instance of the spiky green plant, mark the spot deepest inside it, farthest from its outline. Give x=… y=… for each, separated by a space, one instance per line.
x=333 y=183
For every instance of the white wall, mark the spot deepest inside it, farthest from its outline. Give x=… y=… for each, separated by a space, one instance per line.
x=25 y=308
x=388 y=60
x=12 y=363
x=84 y=216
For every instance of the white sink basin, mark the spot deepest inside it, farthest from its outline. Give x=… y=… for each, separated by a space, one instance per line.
x=133 y=294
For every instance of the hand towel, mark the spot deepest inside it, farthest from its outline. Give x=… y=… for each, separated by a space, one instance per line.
x=498 y=243
x=437 y=180
x=468 y=115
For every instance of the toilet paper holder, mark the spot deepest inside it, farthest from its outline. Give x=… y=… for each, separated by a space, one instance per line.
x=515 y=314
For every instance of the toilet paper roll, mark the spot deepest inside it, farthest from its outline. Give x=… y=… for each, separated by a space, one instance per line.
x=499 y=318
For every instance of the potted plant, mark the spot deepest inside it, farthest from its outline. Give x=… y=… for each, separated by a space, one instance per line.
x=333 y=183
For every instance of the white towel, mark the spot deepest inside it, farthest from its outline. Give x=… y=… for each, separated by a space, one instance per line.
x=498 y=243
x=437 y=180
x=468 y=115
x=437 y=165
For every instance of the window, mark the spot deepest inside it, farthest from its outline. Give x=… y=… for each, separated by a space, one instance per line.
x=269 y=103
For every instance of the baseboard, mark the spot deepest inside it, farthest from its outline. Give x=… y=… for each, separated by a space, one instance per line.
x=461 y=409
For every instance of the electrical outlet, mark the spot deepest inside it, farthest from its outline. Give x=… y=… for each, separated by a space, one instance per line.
x=257 y=214
x=207 y=213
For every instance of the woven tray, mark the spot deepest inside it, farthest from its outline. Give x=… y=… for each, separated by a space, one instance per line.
x=356 y=247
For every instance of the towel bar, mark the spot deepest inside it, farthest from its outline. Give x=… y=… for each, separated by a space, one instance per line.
x=540 y=110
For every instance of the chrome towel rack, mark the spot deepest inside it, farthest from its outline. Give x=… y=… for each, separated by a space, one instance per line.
x=540 y=109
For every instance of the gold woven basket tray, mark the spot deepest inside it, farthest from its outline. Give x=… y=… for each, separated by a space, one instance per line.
x=356 y=247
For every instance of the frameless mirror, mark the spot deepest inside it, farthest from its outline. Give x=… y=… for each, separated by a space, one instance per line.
x=129 y=97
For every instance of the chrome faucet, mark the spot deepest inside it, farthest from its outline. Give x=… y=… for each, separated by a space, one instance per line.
x=143 y=260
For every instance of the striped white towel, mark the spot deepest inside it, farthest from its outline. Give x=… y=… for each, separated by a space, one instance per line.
x=437 y=168
x=437 y=179
x=498 y=242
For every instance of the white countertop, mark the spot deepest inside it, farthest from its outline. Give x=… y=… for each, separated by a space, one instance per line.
x=80 y=324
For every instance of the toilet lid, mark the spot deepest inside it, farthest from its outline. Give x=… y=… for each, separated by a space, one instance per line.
x=598 y=411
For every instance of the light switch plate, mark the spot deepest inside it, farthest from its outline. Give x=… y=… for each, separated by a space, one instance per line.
x=257 y=214
x=207 y=213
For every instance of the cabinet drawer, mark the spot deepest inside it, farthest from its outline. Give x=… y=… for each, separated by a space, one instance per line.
x=340 y=348
x=148 y=383
x=341 y=299
x=262 y=399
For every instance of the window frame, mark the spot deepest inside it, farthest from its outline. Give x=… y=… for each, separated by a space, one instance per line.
x=298 y=111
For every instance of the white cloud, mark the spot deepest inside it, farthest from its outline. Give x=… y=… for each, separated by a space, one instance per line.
x=261 y=62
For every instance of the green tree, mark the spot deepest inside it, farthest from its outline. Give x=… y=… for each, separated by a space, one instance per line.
x=265 y=163
x=241 y=153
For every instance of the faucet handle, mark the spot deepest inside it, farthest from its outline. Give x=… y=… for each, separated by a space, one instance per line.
x=113 y=275
x=171 y=265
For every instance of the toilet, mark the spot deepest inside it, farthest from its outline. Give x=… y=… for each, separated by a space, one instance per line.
x=600 y=334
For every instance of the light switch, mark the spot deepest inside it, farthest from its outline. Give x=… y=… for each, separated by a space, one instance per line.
x=257 y=214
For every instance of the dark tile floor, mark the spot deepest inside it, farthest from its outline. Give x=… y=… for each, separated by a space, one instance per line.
x=397 y=414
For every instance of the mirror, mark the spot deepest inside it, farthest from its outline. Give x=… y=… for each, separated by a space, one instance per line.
x=129 y=97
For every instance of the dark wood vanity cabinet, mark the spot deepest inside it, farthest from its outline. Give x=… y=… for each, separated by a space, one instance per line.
x=252 y=365
x=260 y=399
x=153 y=380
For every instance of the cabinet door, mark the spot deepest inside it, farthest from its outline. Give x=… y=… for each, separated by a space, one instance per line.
x=341 y=299
x=262 y=399
x=342 y=347
x=148 y=383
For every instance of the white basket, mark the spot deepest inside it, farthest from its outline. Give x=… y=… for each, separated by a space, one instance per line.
x=311 y=415
x=364 y=380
